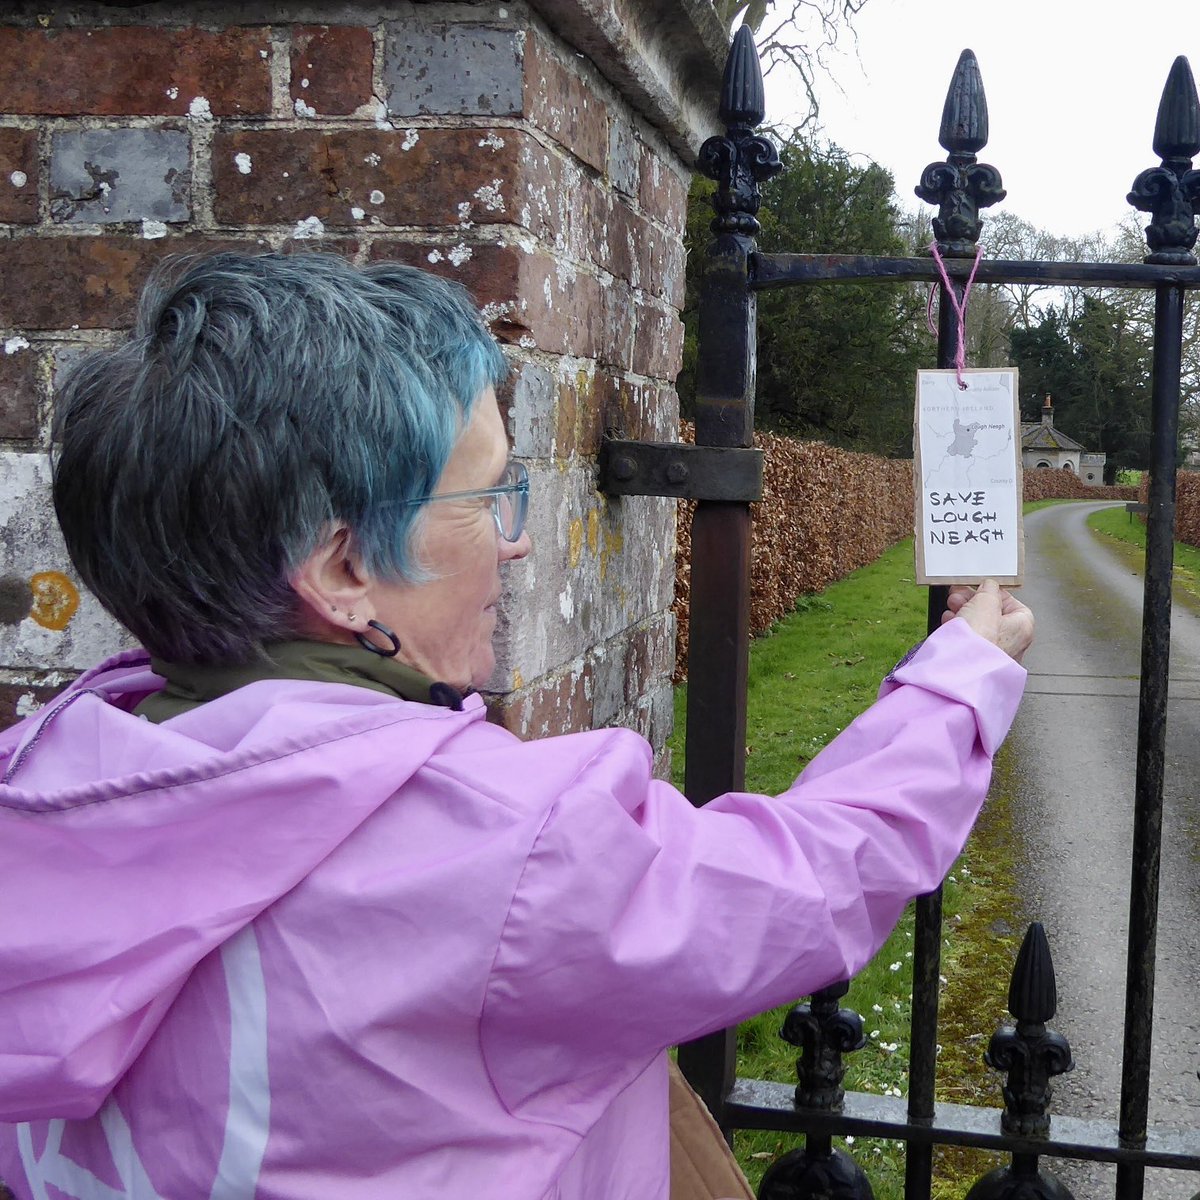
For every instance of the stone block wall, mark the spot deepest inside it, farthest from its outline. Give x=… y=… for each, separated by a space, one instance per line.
x=536 y=152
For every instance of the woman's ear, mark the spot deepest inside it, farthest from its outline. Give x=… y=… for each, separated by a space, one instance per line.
x=333 y=585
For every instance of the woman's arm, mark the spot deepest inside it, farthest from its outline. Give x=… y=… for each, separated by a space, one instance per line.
x=641 y=921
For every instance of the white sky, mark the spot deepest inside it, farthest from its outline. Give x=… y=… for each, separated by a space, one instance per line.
x=1072 y=89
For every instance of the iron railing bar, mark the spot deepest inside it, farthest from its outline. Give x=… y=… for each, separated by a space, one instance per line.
x=770 y=271
x=760 y=1104
x=1152 y=733
x=927 y=922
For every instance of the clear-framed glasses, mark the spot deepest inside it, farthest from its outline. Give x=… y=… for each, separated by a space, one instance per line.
x=510 y=500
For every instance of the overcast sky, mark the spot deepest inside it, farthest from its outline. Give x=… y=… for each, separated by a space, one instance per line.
x=1072 y=88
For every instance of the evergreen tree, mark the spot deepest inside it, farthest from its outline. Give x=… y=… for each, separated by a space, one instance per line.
x=835 y=361
x=1096 y=366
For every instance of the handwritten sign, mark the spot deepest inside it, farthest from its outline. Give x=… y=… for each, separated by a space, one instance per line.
x=967 y=478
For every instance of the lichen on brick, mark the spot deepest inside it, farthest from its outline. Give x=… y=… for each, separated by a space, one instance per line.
x=489 y=196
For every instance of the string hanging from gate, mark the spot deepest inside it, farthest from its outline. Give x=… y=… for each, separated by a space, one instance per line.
x=960 y=308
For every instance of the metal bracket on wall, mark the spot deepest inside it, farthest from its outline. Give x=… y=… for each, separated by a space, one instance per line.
x=687 y=472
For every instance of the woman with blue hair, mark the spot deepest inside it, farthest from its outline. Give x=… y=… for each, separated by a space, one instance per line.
x=284 y=915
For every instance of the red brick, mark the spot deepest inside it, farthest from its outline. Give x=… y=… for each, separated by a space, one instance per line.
x=11 y=695
x=132 y=70
x=571 y=320
x=491 y=274
x=19 y=389
x=662 y=194
x=674 y=267
x=561 y=103
x=336 y=60
x=511 y=286
x=627 y=408
x=658 y=343
x=329 y=173
x=660 y=264
x=18 y=156
x=578 y=416
x=92 y=282
x=649 y=658
x=620 y=241
x=618 y=326
x=560 y=704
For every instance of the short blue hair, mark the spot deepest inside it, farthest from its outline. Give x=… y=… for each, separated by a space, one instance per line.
x=259 y=400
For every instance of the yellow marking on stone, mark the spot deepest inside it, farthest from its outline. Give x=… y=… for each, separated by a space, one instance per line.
x=575 y=541
x=614 y=543
x=55 y=599
x=518 y=682
x=593 y=520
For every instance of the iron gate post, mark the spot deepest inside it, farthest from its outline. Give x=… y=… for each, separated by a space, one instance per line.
x=1171 y=193
x=719 y=634
x=960 y=186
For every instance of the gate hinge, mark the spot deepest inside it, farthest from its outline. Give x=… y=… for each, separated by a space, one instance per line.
x=687 y=472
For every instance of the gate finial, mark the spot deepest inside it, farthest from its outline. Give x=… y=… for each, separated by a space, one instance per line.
x=1032 y=1055
x=824 y=1032
x=1171 y=192
x=961 y=186
x=739 y=161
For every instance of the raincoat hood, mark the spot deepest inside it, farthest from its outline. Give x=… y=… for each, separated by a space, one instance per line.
x=166 y=840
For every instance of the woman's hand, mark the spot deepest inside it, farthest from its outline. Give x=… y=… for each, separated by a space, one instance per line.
x=994 y=614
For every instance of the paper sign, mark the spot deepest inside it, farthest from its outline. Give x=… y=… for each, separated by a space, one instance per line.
x=967 y=478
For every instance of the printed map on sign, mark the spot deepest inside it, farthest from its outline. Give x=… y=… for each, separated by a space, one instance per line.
x=968 y=477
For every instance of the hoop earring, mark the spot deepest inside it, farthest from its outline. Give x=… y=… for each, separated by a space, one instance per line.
x=366 y=643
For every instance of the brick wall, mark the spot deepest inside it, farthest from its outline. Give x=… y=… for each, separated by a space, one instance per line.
x=535 y=152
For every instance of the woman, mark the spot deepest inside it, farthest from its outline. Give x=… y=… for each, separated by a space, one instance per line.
x=284 y=916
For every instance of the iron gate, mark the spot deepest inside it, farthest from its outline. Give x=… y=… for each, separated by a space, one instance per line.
x=723 y=473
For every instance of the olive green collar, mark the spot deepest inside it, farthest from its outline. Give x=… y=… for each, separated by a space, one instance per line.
x=190 y=685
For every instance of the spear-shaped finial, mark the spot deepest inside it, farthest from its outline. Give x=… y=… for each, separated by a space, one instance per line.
x=964 y=128
x=739 y=161
x=961 y=186
x=1171 y=192
x=743 y=99
x=1031 y=1054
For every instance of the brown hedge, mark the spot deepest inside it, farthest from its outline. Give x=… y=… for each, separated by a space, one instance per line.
x=806 y=536
x=1187 y=505
x=1046 y=483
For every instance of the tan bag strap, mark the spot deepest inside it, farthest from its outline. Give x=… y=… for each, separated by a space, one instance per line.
x=702 y=1165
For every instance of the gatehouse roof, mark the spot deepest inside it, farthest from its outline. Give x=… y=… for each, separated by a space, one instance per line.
x=1037 y=436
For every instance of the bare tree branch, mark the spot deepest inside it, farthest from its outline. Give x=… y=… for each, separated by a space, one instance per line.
x=798 y=34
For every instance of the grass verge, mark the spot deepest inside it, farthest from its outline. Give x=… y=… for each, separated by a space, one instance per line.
x=1127 y=538
x=809 y=677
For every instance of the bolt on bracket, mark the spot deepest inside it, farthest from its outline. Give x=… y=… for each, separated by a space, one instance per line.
x=686 y=472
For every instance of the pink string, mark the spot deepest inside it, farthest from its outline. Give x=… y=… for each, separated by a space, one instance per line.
x=960 y=308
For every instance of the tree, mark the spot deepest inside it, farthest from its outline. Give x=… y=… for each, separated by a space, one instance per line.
x=835 y=361
x=1096 y=365
x=1113 y=325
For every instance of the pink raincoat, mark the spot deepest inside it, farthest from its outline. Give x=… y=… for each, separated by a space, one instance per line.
x=309 y=942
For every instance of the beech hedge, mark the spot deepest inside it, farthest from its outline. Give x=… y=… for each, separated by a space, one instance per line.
x=1187 y=506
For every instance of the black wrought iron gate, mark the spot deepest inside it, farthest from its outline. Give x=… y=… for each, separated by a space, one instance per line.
x=723 y=473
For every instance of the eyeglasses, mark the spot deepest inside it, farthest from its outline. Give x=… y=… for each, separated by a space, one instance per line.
x=510 y=500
